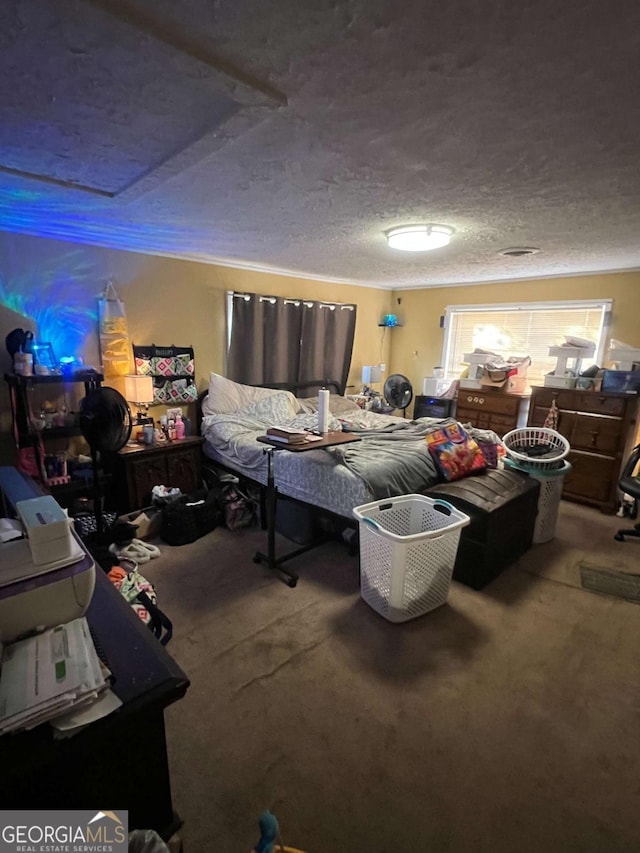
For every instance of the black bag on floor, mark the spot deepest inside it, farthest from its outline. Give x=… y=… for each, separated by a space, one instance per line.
x=189 y=517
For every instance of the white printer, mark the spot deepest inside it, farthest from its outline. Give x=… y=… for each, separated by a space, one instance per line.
x=47 y=578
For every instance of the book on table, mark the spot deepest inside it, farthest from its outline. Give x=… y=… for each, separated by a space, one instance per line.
x=289 y=435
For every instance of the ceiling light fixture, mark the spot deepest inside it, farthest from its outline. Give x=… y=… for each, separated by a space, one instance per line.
x=418 y=238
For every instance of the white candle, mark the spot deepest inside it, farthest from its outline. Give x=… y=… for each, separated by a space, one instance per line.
x=323 y=411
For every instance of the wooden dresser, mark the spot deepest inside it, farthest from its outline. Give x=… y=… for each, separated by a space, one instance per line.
x=599 y=427
x=488 y=409
x=138 y=468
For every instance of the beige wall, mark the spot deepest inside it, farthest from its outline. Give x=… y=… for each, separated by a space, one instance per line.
x=183 y=302
x=167 y=302
x=417 y=347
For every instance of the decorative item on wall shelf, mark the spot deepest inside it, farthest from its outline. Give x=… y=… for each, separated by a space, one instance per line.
x=389 y=321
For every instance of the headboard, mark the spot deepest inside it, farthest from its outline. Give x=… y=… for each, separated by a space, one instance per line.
x=299 y=389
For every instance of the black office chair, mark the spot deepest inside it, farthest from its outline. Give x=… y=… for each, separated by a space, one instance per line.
x=630 y=485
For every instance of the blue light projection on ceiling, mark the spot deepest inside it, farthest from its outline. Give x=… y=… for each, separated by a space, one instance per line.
x=56 y=304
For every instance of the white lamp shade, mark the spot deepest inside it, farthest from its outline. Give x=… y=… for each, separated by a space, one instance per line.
x=138 y=389
x=419 y=238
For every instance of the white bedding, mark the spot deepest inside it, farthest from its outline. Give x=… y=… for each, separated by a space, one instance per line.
x=314 y=476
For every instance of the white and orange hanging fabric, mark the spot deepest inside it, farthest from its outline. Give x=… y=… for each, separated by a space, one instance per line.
x=115 y=349
x=551 y=419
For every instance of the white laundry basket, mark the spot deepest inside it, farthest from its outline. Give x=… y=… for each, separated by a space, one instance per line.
x=408 y=548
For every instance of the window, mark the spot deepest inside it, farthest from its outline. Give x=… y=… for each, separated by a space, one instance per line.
x=521 y=330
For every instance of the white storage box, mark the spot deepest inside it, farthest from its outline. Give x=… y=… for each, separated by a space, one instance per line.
x=552 y=381
x=408 y=548
x=47 y=527
x=624 y=358
x=470 y=384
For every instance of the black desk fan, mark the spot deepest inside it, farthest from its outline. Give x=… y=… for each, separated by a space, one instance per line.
x=398 y=392
x=105 y=422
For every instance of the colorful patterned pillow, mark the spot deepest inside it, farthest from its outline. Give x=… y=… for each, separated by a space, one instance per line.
x=454 y=452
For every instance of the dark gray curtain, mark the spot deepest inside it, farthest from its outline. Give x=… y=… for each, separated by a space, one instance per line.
x=265 y=339
x=276 y=340
x=327 y=342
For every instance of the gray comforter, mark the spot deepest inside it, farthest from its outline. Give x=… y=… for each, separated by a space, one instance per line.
x=392 y=460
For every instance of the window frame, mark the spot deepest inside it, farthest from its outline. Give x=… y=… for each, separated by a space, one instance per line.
x=605 y=305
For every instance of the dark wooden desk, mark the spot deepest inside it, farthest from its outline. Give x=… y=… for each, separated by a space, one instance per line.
x=276 y=564
x=121 y=759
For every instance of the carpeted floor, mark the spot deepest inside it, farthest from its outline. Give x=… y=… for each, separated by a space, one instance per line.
x=506 y=720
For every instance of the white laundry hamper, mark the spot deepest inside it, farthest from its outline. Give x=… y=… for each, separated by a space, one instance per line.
x=408 y=548
x=551 y=482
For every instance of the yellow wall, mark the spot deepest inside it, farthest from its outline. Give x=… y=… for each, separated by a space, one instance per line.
x=167 y=301
x=178 y=302
x=417 y=347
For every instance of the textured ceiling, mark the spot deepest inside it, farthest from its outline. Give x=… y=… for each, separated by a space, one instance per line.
x=289 y=134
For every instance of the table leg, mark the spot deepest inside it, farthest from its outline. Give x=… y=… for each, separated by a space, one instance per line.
x=275 y=564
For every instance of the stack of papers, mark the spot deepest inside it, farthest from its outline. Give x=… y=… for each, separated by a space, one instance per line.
x=49 y=675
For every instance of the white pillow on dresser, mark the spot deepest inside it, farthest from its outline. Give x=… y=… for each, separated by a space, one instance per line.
x=226 y=396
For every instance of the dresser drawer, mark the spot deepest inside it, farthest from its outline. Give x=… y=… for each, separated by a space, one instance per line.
x=502 y=404
x=591 y=476
x=475 y=417
x=591 y=432
x=599 y=404
x=587 y=401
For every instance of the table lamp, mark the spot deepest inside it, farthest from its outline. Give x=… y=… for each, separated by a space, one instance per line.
x=371 y=373
x=138 y=390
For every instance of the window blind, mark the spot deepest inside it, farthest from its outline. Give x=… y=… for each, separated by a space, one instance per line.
x=521 y=330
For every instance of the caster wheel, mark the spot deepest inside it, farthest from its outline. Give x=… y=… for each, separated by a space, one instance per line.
x=619 y=537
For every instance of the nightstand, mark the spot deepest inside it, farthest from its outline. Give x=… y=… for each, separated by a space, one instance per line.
x=138 y=468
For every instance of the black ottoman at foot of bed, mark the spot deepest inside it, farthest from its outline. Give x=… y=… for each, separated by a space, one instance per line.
x=502 y=506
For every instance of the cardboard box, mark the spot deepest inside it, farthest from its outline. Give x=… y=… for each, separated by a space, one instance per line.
x=511 y=385
x=148 y=521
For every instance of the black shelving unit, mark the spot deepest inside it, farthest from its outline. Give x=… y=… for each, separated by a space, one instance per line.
x=27 y=435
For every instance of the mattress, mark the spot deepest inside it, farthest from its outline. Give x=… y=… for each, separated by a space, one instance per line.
x=313 y=477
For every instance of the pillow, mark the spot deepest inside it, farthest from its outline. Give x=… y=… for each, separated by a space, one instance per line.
x=455 y=453
x=226 y=396
x=274 y=410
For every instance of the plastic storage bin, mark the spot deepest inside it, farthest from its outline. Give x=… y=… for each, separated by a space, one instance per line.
x=408 y=548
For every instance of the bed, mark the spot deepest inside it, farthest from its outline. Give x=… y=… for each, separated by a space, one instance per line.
x=392 y=457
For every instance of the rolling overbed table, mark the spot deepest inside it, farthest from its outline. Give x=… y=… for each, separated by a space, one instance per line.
x=272 y=562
